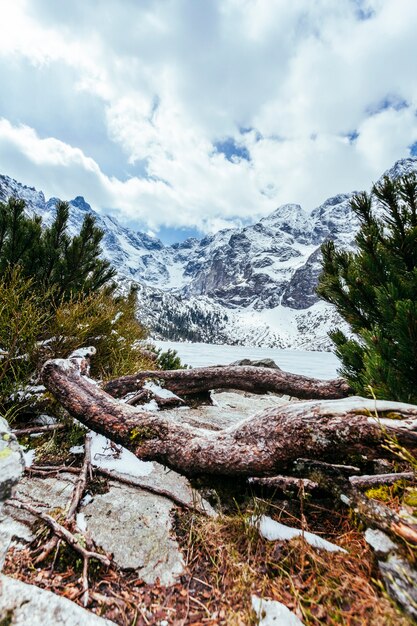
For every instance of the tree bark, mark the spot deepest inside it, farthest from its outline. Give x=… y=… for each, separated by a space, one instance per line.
x=263 y=445
x=244 y=378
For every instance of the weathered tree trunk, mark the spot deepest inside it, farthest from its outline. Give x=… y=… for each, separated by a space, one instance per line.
x=266 y=444
x=245 y=378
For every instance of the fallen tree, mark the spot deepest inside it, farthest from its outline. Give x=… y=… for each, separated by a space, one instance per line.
x=263 y=445
x=244 y=378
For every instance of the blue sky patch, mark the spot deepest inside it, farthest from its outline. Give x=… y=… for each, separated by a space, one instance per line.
x=352 y=136
x=231 y=150
x=391 y=101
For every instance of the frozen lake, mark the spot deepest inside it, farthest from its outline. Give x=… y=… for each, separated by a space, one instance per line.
x=315 y=364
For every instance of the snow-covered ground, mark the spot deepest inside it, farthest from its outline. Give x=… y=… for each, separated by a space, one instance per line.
x=316 y=364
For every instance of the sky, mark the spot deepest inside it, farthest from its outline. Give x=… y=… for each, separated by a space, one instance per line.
x=181 y=117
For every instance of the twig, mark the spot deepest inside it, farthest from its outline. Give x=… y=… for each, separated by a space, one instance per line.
x=60 y=531
x=81 y=482
x=328 y=468
x=136 y=482
x=38 y=429
x=84 y=597
x=366 y=482
x=45 y=470
x=138 y=397
x=77 y=494
x=285 y=483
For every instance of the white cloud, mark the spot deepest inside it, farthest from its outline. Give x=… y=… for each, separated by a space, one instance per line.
x=173 y=78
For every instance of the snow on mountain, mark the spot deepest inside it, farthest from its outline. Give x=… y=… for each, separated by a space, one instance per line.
x=253 y=285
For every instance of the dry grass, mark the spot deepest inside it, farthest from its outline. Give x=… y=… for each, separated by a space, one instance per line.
x=227 y=562
x=233 y=562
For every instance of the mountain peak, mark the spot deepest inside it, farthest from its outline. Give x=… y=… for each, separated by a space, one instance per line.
x=81 y=204
x=401 y=168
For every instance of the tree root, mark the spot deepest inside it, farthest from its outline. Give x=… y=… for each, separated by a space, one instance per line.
x=245 y=378
x=266 y=444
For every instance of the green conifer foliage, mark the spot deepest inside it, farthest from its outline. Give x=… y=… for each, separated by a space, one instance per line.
x=375 y=291
x=57 y=295
x=64 y=266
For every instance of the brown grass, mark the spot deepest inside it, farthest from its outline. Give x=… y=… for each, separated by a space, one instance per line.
x=319 y=587
x=227 y=562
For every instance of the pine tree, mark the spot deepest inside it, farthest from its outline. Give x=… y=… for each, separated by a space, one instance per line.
x=63 y=266
x=375 y=291
x=20 y=236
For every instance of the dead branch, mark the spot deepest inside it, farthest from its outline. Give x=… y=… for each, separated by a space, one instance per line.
x=135 y=481
x=306 y=466
x=376 y=514
x=374 y=480
x=38 y=429
x=46 y=470
x=286 y=484
x=265 y=444
x=81 y=481
x=146 y=395
x=77 y=494
x=245 y=378
x=60 y=531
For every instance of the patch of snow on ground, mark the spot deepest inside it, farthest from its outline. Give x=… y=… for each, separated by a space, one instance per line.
x=77 y=450
x=159 y=391
x=29 y=457
x=81 y=522
x=87 y=498
x=150 y=406
x=107 y=455
x=275 y=531
x=273 y=613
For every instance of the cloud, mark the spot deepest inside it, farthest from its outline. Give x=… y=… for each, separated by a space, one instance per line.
x=205 y=114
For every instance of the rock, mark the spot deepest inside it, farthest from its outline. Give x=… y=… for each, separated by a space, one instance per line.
x=22 y=604
x=135 y=526
x=401 y=582
x=228 y=408
x=129 y=522
x=379 y=541
x=56 y=492
x=11 y=461
x=257 y=363
x=176 y=484
x=11 y=469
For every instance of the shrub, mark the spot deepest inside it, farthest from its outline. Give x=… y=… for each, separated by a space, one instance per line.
x=61 y=265
x=106 y=322
x=375 y=291
x=169 y=360
x=56 y=295
x=22 y=320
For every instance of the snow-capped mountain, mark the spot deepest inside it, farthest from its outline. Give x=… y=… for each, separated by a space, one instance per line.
x=252 y=285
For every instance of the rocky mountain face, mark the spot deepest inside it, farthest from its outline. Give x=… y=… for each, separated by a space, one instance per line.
x=253 y=285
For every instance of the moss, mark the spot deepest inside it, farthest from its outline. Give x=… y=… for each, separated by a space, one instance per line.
x=4 y=454
x=393 y=416
x=382 y=493
x=140 y=434
x=386 y=493
x=411 y=498
x=6 y=437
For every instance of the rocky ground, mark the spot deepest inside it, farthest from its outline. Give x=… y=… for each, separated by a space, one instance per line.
x=181 y=553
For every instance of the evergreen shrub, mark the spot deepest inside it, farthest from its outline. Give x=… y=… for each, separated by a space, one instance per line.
x=375 y=291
